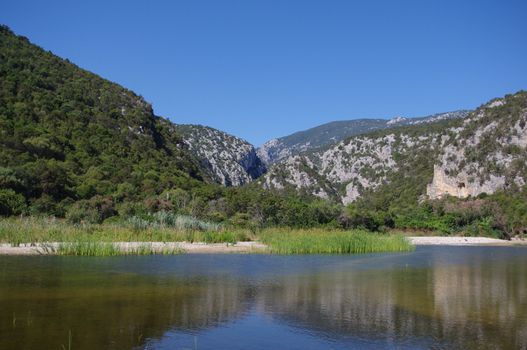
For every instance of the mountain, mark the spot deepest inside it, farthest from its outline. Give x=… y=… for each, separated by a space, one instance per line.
x=333 y=132
x=67 y=134
x=482 y=153
x=229 y=160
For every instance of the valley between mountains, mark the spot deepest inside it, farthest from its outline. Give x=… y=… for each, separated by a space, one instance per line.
x=75 y=146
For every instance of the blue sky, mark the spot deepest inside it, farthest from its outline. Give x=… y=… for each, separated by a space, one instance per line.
x=263 y=69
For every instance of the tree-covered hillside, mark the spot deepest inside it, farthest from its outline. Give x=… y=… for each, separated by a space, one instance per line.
x=67 y=134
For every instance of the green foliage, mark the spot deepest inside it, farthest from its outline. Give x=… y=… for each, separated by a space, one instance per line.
x=94 y=210
x=67 y=133
x=11 y=203
x=171 y=220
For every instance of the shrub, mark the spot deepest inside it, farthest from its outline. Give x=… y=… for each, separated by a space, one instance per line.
x=94 y=210
x=43 y=205
x=81 y=214
x=11 y=203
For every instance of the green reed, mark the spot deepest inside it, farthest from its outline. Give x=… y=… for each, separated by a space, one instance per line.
x=333 y=242
x=94 y=248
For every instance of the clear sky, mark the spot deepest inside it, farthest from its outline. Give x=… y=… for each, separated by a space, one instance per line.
x=263 y=69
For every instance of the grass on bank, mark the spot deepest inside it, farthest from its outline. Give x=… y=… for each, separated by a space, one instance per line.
x=40 y=230
x=96 y=240
x=93 y=248
x=334 y=242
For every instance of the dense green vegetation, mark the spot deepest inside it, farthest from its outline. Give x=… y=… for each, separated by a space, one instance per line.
x=501 y=215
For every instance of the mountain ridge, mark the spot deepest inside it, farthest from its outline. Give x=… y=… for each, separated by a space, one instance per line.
x=335 y=131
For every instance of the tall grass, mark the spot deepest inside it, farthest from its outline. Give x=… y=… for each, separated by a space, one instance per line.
x=333 y=242
x=97 y=240
x=94 y=248
x=41 y=230
x=164 y=219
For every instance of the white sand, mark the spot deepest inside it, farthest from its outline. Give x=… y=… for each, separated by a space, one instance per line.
x=465 y=241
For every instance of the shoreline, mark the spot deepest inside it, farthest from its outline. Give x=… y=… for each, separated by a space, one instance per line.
x=158 y=247
x=463 y=241
x=245 y=247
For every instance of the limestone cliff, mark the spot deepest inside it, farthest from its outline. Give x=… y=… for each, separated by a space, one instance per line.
x=229 y=160
x=486 y=153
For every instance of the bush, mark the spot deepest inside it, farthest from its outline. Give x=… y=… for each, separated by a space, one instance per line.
x=79 y=213
x=167 y=219
x=365 y=219
x=43 y=205
x=11 y=203
x=94 y=210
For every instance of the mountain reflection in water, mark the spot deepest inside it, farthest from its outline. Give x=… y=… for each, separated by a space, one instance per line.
x=439 y=297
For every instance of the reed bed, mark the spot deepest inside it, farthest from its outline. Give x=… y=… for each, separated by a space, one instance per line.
x=94 y=248
x=333 y=242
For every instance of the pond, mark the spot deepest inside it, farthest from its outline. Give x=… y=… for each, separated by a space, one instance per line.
x=434 y=297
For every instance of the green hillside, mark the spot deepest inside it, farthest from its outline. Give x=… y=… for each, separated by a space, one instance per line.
x=67 y=134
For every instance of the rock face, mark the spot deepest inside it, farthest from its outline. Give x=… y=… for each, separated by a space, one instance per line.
x=482 y=153
x=486 y=153
x=229 y=160
x=348 y=169
x=459 y=186
x=323 y=135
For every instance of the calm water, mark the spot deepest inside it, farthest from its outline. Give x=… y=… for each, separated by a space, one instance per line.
x=435 y=297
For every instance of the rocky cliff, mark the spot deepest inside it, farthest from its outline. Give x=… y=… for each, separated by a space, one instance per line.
x=229 y=160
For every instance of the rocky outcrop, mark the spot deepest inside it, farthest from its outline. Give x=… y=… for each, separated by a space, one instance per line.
x=229 y=160
x=486 y=154
x=460 y=186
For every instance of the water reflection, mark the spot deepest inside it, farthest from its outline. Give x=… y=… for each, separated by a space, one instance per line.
x=474 y=304
x=435 y=297
x=110 y=311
